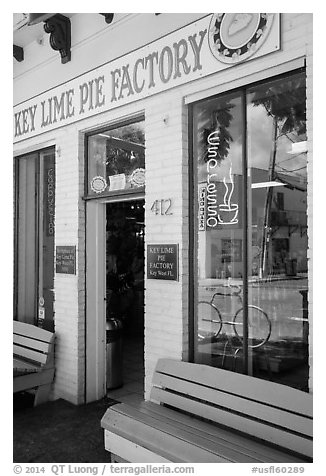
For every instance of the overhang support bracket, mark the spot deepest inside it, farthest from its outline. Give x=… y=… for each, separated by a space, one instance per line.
x=59 y=28
x=18 y=53
x=108 y=17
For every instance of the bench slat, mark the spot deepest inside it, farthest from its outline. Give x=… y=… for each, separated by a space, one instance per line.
x=203 y=414
x=273 y=394
x=201 y=428
x=29 y=381
x=33 y=363
x=129 y=451
x=30 y=354
x=147 y=432
x=22 y=364
x=257 y=410
x=245 y=425
x=221 y=448
x=232 y=448
x=29 y=330
x=31 y=343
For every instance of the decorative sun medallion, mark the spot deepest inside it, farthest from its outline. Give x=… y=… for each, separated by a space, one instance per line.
x=234 y=37
x=138 y=177
x=98 y=184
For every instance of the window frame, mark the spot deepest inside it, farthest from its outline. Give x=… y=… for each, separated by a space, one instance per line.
x=115 y=194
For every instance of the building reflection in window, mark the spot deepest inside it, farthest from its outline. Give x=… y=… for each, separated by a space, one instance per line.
x=252 y=272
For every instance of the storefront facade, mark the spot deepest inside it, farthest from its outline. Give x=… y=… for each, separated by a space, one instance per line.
x=215 y=110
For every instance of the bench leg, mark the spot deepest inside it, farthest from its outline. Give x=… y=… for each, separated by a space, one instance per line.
x=42 y=394
x=117 y=459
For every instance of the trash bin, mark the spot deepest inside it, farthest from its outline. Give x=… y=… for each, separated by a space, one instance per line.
x=291 y=267
x=114 y=369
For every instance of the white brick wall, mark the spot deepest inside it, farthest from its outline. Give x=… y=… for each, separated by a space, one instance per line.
x=166 y=315
x=70 y=289
x=166 y=177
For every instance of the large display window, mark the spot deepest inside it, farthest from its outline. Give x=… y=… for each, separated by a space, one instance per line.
x=251 y=268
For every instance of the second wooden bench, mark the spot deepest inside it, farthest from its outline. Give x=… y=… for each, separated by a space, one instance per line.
x=201 y=414
x=33 y=362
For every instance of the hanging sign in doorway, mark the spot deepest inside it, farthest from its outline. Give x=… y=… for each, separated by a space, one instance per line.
x=162 y=262
x=66 y=259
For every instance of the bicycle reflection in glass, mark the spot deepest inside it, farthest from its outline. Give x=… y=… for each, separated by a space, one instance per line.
x=259 y=324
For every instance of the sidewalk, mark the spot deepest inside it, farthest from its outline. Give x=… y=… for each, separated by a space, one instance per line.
x=58 y=432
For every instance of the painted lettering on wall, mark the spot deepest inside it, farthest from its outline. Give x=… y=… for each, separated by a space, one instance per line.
x=25 y=121
x=58 y=108
x=114 y=86
x=170 y=63
x=91 y=95
x=179 y=57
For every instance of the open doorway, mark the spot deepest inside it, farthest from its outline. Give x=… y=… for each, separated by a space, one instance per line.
x=125 y=230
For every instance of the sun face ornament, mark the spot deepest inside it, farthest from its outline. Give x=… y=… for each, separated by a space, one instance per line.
x=234 y=37
x=98 y=184
x=137 y=178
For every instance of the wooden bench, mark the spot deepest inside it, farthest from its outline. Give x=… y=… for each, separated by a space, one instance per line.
x=201 y=414
x=33 y=363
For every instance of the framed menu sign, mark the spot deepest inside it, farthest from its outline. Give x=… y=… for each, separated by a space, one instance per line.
x=66 y=259
x=162 y=262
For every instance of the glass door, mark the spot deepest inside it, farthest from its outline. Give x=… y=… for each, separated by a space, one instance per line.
x=251 y=240
x=278 y=238
x=34 y=238
x=25 y=305
x=218 y=130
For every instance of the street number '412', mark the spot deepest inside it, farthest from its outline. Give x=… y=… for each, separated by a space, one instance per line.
x=162 y=207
